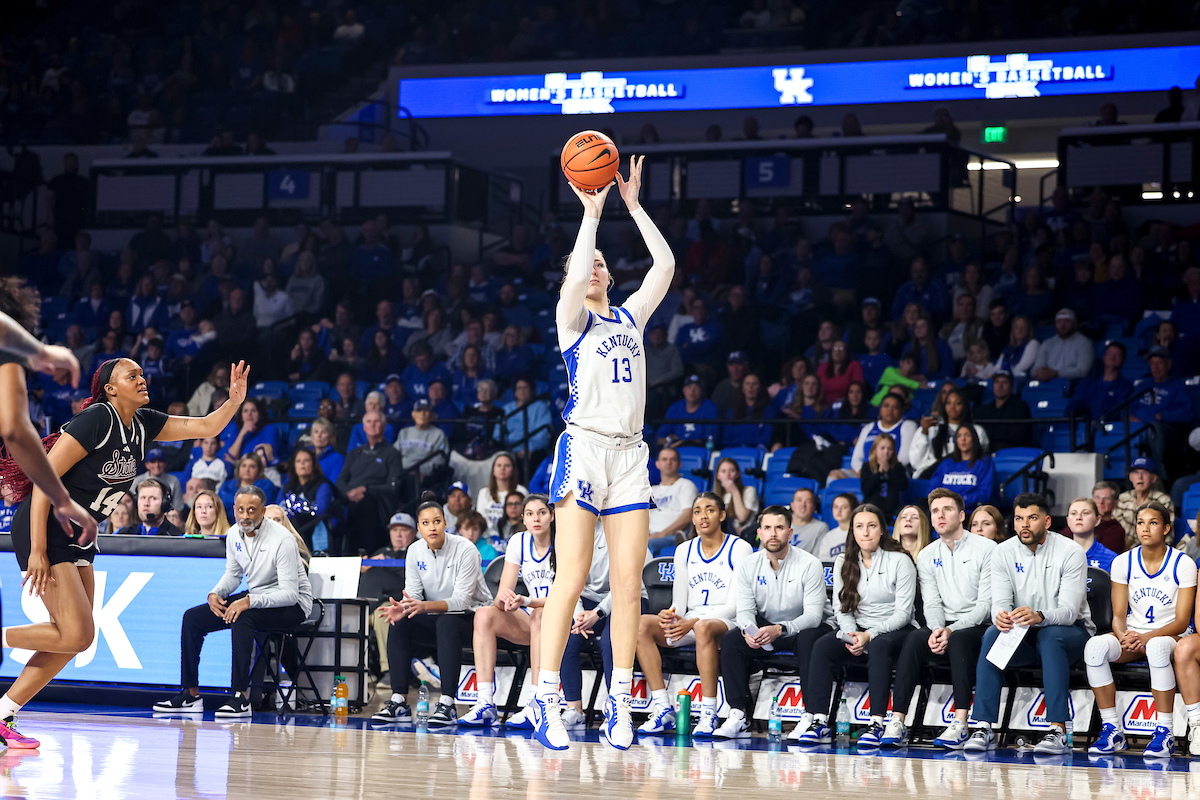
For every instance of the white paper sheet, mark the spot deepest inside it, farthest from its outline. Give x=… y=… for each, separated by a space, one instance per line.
x=1006 y=644
x=751 y=630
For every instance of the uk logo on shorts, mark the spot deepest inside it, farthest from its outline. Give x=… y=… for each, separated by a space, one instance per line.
x=585 y=491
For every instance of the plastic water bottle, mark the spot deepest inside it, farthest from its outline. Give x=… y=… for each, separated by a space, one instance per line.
x=423 y=705
x=775 y=723
x=683 y=713
x=1070 y=732
x=842 y=730
x=341 y=697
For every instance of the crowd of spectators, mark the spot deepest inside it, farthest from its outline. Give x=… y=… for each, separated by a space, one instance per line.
x=135 y=71
x=397 y=375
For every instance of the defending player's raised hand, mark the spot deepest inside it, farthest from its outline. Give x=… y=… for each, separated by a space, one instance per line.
x=52 y=357
x=630 y=188
x=72 y=512
x=239 y=376
x=593 y=204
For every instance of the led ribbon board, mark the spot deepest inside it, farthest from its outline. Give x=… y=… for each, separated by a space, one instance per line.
x=982 y=77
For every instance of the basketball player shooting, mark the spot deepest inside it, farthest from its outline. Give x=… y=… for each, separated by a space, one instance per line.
x=600 y=461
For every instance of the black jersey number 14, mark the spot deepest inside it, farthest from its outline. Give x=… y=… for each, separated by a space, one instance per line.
x=107 y=501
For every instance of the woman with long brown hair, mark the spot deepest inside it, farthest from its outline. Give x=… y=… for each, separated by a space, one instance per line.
x=874 y=588
x=207 y=517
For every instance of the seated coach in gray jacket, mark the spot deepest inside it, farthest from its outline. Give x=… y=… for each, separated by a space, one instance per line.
x=264 y=555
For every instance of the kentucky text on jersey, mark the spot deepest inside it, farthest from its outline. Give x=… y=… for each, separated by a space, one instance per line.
x=712 y=578
x=1151 y=593
x=624 y=340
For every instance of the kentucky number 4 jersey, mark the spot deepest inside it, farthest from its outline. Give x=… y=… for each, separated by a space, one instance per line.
x=1152 y=598
x=606 y=374
x=709 y=580
x=535 y=572
x=115 y=455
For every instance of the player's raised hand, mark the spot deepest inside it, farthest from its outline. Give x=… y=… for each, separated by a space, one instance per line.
x=593 y=204
x=629 y=189
x=239 y=375
x=53 y=357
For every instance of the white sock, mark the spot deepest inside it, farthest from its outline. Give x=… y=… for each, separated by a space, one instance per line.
x=1110 y=715
x=987 y=726
x=1193 y=712
x=486 y=691
x=398 y=698
x=547 y=683
x=821 y=718
x=876 y=720
x=8 y=707
x=709 y=703
x=445 y=700
x=660 y=696
x=622 y=680
x=4 y=638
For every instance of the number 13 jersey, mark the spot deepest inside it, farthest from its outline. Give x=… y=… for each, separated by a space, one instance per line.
x=606 y=374
x=1152 y=598
x=115 y=455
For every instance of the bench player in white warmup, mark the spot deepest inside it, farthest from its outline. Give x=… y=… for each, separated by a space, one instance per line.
x=514 y=617
x=703 y=610
x=1153 y=595
x=600 y=464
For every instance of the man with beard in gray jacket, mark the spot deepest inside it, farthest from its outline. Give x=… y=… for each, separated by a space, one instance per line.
x=264 y=555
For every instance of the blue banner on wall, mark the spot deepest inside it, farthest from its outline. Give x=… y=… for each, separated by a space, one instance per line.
x=138 y=609
x=1144 y=69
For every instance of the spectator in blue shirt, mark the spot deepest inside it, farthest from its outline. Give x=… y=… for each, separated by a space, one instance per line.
x=92 y=312
x=110 y=344
x=1186 y=314
x=372 y=260
x=513 y=310
x=1104 y=392
x=699 y=341
x=539 y=418
x=875 y=360
x=385 y=320
x=932 y=355
x=1163 y=402
x=692 y=406
x=374 y=401
x=398 y=408
x=422 y=371
x=1034 y=299
x=967 y=470
x=1082 y=519
x=252 y=429
x=1119 y=299
x=514 y=358
x=443 y=407
x=57 y=394
x=324 y=437
x=922 y=290
x=751 y=405
x=467 y=377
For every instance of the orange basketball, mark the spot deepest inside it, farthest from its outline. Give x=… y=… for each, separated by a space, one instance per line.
x=590 y=160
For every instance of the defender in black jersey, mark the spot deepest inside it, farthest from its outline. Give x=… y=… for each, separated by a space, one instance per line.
x=97 y=453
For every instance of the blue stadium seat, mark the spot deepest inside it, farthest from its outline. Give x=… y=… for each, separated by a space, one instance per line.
x=266 y=392
x=1187 y=514
x=305 y=396
x=362 y=387
x=305 y=409
x=320 y=387
x=781 y=488
x=775 y=464
x=827 y=496
x=1057 y=438
x=1116 y=467
x=272 y=386
x=1008 y=461
x=295 y=431
x=1045 y=390
x=1146 y=325
x=54 y=306
x=917 y=492
x=845 y=485
x=691 y=458
x=1135 y=368
x=1044 y=407
x=923 y=400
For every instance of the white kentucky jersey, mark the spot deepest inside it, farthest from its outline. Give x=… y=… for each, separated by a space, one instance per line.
x=536 y=572
x=1152 y=598
x=710 y=580
x=606 y=375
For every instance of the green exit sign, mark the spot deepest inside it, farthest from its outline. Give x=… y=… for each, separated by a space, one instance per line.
x=993 y=134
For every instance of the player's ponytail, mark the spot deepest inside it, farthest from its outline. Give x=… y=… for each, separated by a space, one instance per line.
x=12 y=475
